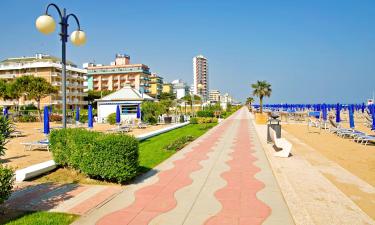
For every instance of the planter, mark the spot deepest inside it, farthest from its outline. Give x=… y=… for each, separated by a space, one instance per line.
x=168 y=119
x=261 y=118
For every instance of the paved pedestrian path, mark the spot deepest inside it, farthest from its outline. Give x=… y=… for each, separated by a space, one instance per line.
x=221 y=178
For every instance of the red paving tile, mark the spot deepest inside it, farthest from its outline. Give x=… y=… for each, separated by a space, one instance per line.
x=161 y=194
x=246 y=209
x=94 y=201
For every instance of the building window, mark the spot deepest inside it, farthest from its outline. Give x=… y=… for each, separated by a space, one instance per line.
x=128 y=109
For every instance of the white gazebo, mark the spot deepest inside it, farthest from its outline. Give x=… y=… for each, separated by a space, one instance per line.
x=128 y=99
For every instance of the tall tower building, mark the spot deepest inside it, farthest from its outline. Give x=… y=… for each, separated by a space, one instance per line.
x=200 y=68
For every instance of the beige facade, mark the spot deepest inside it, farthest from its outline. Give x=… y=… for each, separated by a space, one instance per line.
x=156 y=85
x=49 y=68
x=214 y=96
x=116 y=75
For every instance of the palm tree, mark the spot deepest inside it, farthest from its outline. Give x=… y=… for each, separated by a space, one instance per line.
x=249 y=101
x=261 y=89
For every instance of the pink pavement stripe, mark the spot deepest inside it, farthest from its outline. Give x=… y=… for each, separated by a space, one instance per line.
x=158 y=198
x=94 y=201
x=240 y=206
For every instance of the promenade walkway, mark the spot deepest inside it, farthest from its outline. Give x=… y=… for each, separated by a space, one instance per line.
x=221 y=178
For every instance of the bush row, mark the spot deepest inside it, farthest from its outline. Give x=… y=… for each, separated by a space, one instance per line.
x=200 y=120
x=112 y=157
x=205 y=113
x=179 y=143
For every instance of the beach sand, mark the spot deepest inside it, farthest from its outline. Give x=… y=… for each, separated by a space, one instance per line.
x=18 y=158
x=358 y=159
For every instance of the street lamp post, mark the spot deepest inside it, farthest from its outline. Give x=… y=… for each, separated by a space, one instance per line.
x=46 y=25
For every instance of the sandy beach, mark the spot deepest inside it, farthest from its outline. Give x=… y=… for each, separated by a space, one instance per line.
x=358 y=159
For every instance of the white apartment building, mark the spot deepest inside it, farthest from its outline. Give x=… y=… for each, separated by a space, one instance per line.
x=180 y=88
x=214 y=96
x=200 y=69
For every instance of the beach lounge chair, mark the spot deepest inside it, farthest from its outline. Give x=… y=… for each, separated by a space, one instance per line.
x=335 y=128
x=142 y=125
x=120 y=129
x=365 y=139
x=281 y=143
x=42 y=144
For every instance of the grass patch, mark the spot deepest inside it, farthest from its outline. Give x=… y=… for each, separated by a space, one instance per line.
x=43 y=218
x=152 y=151
x=68 y=175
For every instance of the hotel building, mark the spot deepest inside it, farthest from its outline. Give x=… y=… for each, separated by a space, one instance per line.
x=167 y=88
x=200 y=69
x=49 y=68
x=180 y=88
x=156 y=85
x=214 y=96
x=117 y=74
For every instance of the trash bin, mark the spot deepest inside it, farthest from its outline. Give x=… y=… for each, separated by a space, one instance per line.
x=273 y=123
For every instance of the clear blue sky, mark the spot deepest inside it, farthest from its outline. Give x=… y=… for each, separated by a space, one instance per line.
x=310 y=51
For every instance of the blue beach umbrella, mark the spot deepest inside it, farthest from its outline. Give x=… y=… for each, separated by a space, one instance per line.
x=139 y=112
x=91 y=121
x=324 y=111
x=46 y=120
x=351 y=116
x=118 y=116
x=77 y=114
x=338 y=108
x=5 y=112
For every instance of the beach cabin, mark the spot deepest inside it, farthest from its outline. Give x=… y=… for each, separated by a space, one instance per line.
x=129 y=100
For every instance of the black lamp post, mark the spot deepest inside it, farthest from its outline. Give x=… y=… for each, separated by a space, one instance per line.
x=46 y=25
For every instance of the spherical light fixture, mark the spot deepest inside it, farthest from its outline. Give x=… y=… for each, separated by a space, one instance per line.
x=45 y=24
x=78 y=37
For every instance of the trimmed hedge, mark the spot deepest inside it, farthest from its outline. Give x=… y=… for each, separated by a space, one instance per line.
x=112 y=157
x=200 y=120
x=6 y=183
x=205 y=113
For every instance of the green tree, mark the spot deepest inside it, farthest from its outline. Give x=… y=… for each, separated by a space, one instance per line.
x=167 y=96
x=93 y=95
x=261 y=89
x=151 y=111
x=3 y=89
x=249 y=101
x=38 y=88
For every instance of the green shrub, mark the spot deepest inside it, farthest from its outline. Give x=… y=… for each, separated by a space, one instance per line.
x=205 y=113
x=83 y=118
x=112 y=157
x=179 y=143
x=201 y=120
x=193 y=120
x=111 y=118
x=29 y=107
x=70 y=145
x=6 y=183
x=151 y=119
x=27 y=118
